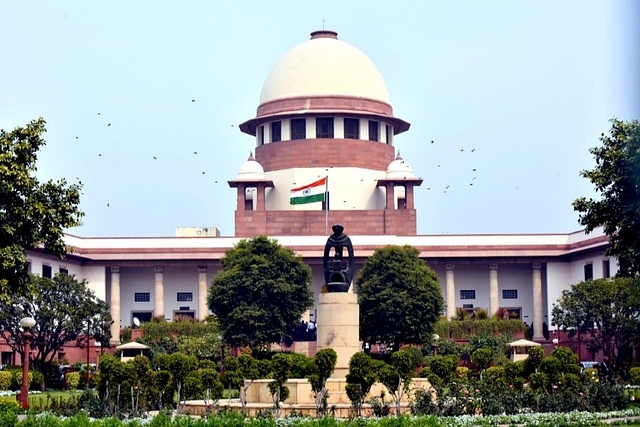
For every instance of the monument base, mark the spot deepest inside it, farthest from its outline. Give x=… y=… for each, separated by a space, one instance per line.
x=339 y=327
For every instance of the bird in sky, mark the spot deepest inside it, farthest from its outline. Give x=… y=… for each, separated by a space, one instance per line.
x=99 y=154
x=155 y=158
x=98 y=114
x=193 y=100
x=76 y=137
x=473 y=170
x=432 y=142
x=473 y=149
x=107 y=204
x=109 y=125
x=203 y=173
x=195 y=152
x=448 y=186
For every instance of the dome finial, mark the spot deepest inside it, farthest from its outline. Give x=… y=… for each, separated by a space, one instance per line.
x=324 y=34
x=399 y=157
x=250 y=156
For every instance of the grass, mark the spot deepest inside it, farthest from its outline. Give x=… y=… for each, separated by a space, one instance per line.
x=41 y=399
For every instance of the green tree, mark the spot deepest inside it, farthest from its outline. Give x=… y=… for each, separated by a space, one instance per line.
x=64 y=309
x=616 y=178
x=213 y=386
x=397 y=376
x=281 y=365
x=399 y=295
x=324 y=363
x=261 y=291
x=180 y=366
x=481 y=358
x=242 y=371
x=32 y=214
x=608 y=309
x=362 y=375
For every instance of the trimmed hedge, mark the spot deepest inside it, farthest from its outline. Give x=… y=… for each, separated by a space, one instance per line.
x=465 y=329
x=5 y=380
x=154 y=331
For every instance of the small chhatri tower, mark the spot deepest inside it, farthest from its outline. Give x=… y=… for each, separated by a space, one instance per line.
x=325 y=112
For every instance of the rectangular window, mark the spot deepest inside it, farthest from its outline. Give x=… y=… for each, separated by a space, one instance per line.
x=64 y=270
x=177 y=314
x=606 y=269
x=276 y=131
x=467 y=305
x=588 y=271
x=185 y=296
x=467 y=294
x=389 y=135
x=298 y=128
x=374 y=132
x=143 y=316
x=142 y=297
x=261 y=135
x=28 y=266
x=352 y=128
x=324 y=127
x=46 y=271
x=509 y=294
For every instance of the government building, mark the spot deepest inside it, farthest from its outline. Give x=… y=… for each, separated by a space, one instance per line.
x=325 y=114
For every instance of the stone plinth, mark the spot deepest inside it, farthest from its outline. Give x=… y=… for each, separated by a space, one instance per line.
x=339 y=327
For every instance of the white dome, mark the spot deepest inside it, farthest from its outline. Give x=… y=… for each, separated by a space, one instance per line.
x=251 y=170
x=324 y=66
x=399 y=169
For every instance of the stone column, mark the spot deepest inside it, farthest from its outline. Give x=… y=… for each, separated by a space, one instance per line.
x=537 y=302
x=158 y=306
x=391 y=202
x=338 y=326
x=450 y=291
x=202 y=293
x=494 y=300
x=260 y=194
x=241 y=197
x=408 y=196
x=115 y=305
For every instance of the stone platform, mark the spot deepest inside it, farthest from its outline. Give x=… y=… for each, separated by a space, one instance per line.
x=301 y=398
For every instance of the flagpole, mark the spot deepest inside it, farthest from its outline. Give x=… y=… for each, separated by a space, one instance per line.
x=326 y=204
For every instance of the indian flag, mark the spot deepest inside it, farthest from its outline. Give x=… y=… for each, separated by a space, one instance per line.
x=313 y=192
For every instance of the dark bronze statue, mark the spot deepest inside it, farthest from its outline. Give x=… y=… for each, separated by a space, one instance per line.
x=338 y=271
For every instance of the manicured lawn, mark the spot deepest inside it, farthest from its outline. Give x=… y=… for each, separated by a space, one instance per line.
x=44 y=398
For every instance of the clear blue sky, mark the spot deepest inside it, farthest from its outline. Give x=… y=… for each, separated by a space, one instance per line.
x=528 y=85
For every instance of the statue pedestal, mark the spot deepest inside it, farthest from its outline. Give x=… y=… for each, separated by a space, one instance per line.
x=338 y=327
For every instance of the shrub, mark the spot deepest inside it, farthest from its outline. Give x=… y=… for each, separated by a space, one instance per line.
x=634 y=376
x=37 y=381
x=7 y=405
x=444 y=366
x=5 y=380
x=568 y=360
x=462 y=373
x=539 y=380
x=17 y=377
x=495 y=374
x=514 y=370
x=73 y=380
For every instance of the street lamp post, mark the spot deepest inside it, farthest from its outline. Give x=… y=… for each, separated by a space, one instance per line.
x=27 y=323
x=436 y=337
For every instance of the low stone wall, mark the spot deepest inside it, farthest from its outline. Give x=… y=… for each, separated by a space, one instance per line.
x=300 y=391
